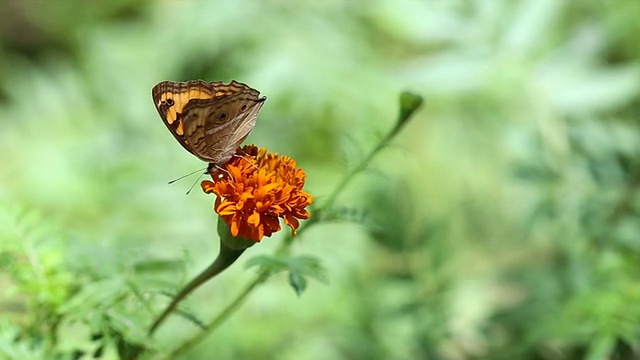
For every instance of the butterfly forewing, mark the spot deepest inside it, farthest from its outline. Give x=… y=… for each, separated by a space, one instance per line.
x=216 y=128
x=210 y=120
x=171 y=97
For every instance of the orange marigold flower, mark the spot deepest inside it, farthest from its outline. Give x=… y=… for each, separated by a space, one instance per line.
x=256 y=188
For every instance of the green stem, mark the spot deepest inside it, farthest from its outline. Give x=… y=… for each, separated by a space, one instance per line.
x=406 y=111
x=226 y=257
x=409 y=103
x=222 y=316
x=362 y=165
x=261 y=277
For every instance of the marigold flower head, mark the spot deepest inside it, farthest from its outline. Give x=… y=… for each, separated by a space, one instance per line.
x=256 y=188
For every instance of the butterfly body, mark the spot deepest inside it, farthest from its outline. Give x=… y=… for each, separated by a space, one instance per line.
x=210 y=120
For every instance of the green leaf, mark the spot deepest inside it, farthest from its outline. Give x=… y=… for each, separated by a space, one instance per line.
x=266 y=262
x=299 y=267
x=298 y=282
x=308 y=266
x=601 y=348
x=158 y=265
x=98 y=352
x=409 y=103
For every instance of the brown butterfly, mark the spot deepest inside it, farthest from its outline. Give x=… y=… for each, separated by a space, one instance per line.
x=210 y=120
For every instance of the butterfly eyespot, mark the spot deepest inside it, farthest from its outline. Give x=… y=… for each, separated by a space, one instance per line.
x=244 y=107
x=223 y=116
x=168 y=102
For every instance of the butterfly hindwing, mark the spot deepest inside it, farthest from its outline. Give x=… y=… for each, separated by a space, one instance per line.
x=216 y=128
x=210 y=120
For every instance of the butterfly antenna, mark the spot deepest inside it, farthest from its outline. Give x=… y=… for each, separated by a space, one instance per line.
x=194 y=184
x=184 y=176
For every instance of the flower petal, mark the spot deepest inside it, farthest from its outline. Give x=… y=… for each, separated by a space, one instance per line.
x=256 y=188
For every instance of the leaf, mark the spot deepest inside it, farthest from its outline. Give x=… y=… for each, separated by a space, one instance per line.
x=157 y=265
x=298 y=282
x=409 y=103
x=299 y=267
x=272 y=264
x=601 y=348
x=348 y=214
x=308 y=266
x=98 y=352
x=188 y=315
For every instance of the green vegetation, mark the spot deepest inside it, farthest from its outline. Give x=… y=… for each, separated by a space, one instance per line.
x=501 y=221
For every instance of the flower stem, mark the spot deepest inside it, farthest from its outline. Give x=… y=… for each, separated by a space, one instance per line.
x=409 y=103
x=226 y=257
x=222 y=316
x=362 y=165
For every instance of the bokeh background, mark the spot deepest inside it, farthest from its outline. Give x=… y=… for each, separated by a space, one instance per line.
x=501 y=223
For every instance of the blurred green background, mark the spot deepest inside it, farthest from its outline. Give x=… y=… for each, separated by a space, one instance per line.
x=502 y=223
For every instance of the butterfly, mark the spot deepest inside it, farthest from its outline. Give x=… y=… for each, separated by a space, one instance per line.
x=209 y=119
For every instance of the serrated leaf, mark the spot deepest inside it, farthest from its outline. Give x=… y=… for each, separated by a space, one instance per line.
x=308 y=266
x=157 y=265
x=193 y=318
x=273 y=264
x=350 y=214
x=99 y=292
x=298 y=282
x=301 y=266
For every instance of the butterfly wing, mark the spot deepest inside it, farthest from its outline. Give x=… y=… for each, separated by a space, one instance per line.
x=210 y=120
x=215 y=128
x=170 y=99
